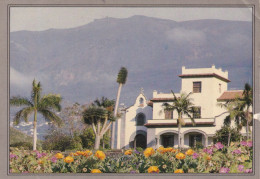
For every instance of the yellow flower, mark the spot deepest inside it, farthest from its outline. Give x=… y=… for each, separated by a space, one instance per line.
x=87 y=153
x=180 y=156
x=153 y=169
x=179 y=171
x=189 y=152
x=161 y=150
x=95 y=171
x=68 y=159
x=40 y=162
x=208 y=157
x=169 y=149
x=71 y=154
x=148 y=152
x=128 y=152
x=101 y=155
x=59 y=156
x=80 y=153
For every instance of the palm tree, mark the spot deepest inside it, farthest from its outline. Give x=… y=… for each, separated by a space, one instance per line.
x=45 y=105
x=97 y=115
x=233 y=109
x=245 y=103
x=183 y=106
x=121 y=80
x=239 y=109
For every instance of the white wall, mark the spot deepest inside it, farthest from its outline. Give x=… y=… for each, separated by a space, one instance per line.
x=130 y=118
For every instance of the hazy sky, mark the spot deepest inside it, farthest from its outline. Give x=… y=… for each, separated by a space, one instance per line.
x=43 y=18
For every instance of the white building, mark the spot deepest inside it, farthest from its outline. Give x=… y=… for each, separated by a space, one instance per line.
x=146 y=124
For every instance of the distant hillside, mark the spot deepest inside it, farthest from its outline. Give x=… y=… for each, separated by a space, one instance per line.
x=82 y=63
x=16 y=137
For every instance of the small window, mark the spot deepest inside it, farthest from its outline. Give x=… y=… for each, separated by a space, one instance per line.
x=141 y=101
x=197 y=112
x=197 y=87
x=219 y=86
x=140 y=119
x=168 y=114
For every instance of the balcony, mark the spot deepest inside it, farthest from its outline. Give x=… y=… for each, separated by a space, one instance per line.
x=173 y=122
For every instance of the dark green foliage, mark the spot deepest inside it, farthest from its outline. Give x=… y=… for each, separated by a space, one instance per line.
x=199 y=145
x=24 y=145
x=222 y=135
x=60 y=141
x=122 y=76
x=139 y=149
x=88 y=138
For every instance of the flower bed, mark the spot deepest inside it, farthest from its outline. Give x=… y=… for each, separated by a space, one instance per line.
x=237 y=158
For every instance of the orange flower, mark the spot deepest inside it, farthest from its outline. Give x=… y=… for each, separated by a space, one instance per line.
x=161 y=150
x=68 y=159
x=189 y=152
x=153 y=169
x=180 y=156
x=208 y=157
x=59 y=156
x=87 y=153
x=95 y=171
x=169 y=149
x=80 y=153
x=179 y=171
x=101 y=155
x=128 y=152
x=40 y=162
x=148 y=152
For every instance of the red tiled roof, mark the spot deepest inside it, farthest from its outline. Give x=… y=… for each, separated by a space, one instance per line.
x=161 y=99
x=150 y=103
x=230 y=95
x=175 y=124
x=205 y=75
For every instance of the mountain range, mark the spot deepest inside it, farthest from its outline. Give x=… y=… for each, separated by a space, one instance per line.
x=82 y=63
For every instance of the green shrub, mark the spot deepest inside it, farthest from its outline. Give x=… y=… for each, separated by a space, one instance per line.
x=222 y=135
x=60 y=141
x=24 y=145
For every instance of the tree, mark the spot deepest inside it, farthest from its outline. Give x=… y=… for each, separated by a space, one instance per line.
x=45 y=105
x=232 y=109
x=247 y=102
x=183 y=106
x=121 y=80
x=244 y=104
x=99 y=116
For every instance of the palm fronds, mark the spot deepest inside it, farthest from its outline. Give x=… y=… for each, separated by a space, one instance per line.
x=122 y=76
x=50 y=101
x=51 y=116
x=20 y=101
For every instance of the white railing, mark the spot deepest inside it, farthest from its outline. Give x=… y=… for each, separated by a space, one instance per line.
x=174 y=121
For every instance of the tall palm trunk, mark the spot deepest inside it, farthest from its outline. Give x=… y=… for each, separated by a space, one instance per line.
x=97 y=141
x=247 y=124
x=35 y=130
x=115 y=113
x=179 y=135
x=179 y=130
x=229 y=137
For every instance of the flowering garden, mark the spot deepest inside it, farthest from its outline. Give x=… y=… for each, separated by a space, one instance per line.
x=237 y=158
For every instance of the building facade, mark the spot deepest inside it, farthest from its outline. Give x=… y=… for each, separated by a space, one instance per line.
x=147 y=124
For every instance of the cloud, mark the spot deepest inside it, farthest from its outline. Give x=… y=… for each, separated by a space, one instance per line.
x=20 y=80
x=181 y=35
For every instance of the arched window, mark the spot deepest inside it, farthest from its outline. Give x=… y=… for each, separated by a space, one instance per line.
x=140 y=119
x=141 y=101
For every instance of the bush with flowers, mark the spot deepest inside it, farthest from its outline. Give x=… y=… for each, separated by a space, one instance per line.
x=237 y=158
